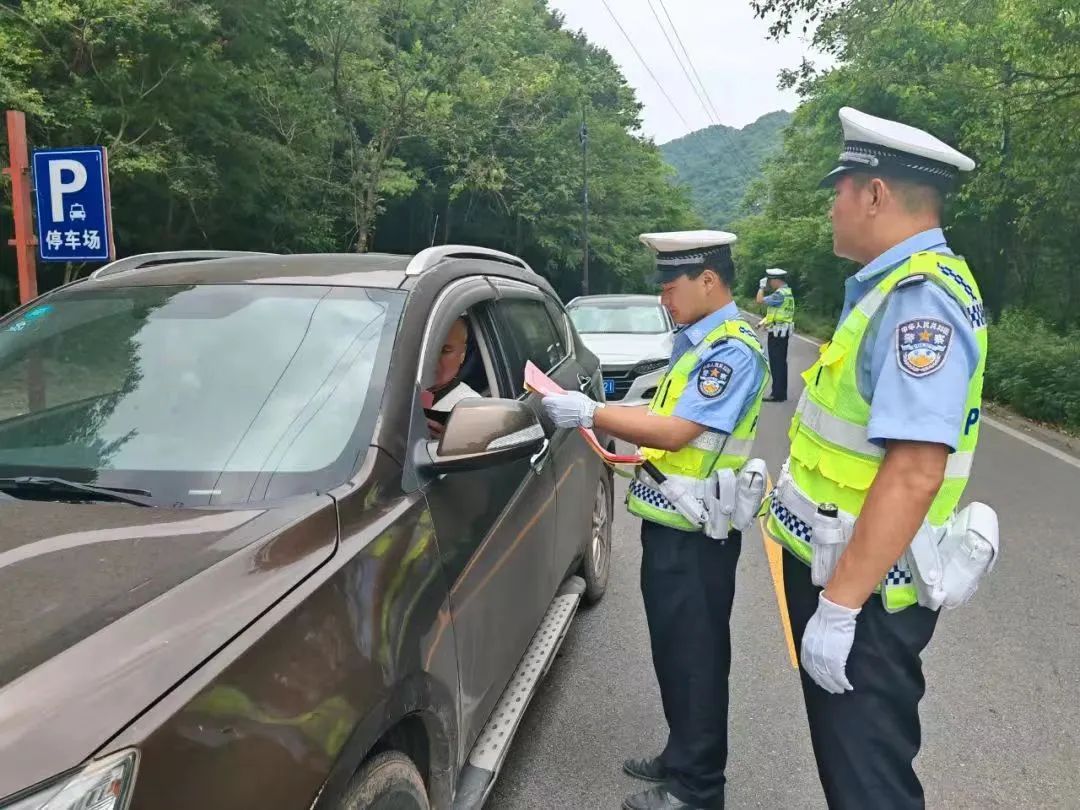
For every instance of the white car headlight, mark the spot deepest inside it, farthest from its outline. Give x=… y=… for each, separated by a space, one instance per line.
x=102 y=785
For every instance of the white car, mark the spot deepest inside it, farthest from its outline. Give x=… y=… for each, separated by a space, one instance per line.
x=632 y=335
x=77 y=212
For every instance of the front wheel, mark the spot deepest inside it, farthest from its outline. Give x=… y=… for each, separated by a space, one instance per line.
x=597 y=563
x=389 y=781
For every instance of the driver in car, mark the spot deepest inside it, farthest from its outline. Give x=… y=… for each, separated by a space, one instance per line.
x=448 y=390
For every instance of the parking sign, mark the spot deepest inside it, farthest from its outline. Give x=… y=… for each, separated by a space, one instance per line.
x=73 y=218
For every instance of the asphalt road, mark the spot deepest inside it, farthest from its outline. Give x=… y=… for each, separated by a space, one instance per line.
x=1001 y=720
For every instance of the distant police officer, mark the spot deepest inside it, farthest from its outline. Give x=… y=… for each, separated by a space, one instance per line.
x=779 y=323
x=881 y=451
x=702 y=420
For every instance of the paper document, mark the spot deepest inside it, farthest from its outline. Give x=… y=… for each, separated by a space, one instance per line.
x=540 y=383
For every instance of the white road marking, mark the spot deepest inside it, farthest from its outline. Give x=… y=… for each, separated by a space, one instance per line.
x=1060 y=455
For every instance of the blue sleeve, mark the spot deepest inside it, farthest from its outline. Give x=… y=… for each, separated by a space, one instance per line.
x=774 y=300
x=918 y=367
x=722 y=387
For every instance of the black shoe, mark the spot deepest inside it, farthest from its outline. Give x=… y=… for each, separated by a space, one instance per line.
x=656 y=798
x=774 y=399
x=647 y=770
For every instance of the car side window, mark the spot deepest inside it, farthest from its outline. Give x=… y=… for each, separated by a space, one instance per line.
x=529 y=333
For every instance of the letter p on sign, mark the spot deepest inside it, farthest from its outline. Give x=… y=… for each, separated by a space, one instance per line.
x=59 y=185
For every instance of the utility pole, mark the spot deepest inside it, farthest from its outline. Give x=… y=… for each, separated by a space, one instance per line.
x=584 y=137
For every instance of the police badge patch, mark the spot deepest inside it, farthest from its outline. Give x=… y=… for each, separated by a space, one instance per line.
x=713 y=379
x=922 y=345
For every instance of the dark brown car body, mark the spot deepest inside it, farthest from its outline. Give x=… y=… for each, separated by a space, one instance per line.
x=256 y=655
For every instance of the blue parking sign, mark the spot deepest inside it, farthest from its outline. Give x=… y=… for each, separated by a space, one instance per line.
x=74 y=222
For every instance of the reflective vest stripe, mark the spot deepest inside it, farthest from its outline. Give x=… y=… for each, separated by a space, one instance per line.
x=712 y=442
x=853 y=437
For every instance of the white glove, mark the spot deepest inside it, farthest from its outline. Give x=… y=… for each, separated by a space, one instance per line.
x=763 y=284
x=827 y=643
x=570 y=410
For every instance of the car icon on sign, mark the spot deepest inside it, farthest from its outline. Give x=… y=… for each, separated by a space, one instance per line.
x=77 y=212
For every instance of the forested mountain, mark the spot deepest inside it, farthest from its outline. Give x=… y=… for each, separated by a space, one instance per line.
x=337 y=125
x=718 y=163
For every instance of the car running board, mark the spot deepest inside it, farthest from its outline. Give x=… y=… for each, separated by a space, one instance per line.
x=486 y=759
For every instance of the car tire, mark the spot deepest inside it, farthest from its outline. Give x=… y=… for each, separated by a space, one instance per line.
x=389 y=781
x=596 y=564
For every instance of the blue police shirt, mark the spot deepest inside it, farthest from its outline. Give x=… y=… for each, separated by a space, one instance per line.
x=774 y=299
x=909 y=403
x=725 y=382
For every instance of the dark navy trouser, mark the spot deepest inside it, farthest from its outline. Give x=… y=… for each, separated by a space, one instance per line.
x=688 y=583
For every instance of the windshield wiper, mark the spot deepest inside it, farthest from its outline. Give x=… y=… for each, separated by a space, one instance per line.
x=36 y=484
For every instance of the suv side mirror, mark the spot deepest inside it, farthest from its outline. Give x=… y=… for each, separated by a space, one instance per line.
x=482 y=432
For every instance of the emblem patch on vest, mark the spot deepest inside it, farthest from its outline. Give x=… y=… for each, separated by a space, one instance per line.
x=922 y=345
x=713 y=379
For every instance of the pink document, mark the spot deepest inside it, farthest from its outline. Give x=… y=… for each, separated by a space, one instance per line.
x=540 y=383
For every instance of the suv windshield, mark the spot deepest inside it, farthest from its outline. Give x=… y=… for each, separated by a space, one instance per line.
x=197 y=394
x=623 y=318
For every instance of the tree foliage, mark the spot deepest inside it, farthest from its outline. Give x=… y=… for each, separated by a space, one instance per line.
x=331 y=125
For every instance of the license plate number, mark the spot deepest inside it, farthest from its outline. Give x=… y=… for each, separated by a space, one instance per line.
x=609 y=387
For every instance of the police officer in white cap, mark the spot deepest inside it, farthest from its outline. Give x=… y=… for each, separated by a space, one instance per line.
x=881 y=451
x=699 y=426
x=779 y=323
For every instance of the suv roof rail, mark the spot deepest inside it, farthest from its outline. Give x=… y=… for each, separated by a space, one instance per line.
x=429 y=257
x=145 y=260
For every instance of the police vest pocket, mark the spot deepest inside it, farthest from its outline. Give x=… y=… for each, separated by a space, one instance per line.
x=842 y=468
x=823 y=378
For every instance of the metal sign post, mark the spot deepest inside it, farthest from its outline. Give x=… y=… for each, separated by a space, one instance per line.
x=19 y=172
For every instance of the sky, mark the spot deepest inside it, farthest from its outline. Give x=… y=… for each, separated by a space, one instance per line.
x=730 y=49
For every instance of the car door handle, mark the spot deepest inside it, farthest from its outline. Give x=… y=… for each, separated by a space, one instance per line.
x=584 y=382
x=540 y=458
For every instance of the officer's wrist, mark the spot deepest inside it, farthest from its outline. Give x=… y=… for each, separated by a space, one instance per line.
x=588 y=418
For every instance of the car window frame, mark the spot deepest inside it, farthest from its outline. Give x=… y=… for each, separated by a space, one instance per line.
x=471 y=294
x=510 y=289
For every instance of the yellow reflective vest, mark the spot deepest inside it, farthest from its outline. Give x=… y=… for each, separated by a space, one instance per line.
x=709 y=451
x=832 y=459
x=785 y=313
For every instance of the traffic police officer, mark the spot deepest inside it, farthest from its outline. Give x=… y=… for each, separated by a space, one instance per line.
x=881 y=450
x=702 y=418
x=779 y=322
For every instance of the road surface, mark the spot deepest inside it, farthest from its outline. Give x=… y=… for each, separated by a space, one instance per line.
x=1001 y=720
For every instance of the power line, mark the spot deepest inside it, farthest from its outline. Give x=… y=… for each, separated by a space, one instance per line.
x=732 y=146
x=689 y=61
x=645 y=64
x=711 y=115
x=708 y=115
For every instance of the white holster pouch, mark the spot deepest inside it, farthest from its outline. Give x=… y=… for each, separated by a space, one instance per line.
x=749 y=493
x=827 y=544
x=719 y=502
x=949 y=563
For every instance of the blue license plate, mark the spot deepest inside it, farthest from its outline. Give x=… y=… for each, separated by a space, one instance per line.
x=609 y=387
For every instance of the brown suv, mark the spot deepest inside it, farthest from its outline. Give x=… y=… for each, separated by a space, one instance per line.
x=238 y=572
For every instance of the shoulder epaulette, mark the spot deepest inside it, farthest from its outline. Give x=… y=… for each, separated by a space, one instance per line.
x=911 y=281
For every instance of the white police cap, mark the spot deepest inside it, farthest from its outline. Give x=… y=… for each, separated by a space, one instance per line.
x=679 y=252
x=775 y=272
x=885 y=147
